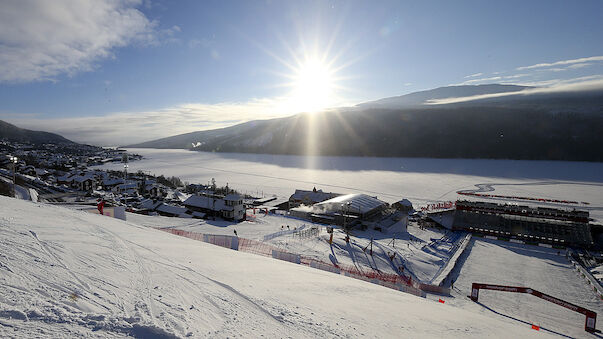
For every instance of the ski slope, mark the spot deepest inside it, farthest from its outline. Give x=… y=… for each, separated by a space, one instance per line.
x=415 y=251
x=540 y=268
x=67 y=273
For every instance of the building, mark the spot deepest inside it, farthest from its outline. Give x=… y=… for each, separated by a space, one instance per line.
x=308 y=198
x=347 y=210
x=403 y=205
x=229 y=207
x=531 y=224
x=83 y=182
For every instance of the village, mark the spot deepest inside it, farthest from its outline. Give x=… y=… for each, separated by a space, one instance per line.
x=66 y=174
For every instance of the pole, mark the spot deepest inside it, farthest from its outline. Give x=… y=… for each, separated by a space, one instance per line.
x=14 y=179
x=14 y=161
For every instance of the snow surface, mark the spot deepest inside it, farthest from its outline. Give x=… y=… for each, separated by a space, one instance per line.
x=68 y=273
x=421 y=257
x=390 y=179
x=540 y=268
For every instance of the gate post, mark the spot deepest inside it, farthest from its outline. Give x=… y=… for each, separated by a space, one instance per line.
x=591 y=320
x=474 y=291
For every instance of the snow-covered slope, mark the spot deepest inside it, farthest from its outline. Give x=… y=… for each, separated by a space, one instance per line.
x=544 y=269
x=66 y=273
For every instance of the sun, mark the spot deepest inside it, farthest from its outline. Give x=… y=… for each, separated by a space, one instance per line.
x=313 y=86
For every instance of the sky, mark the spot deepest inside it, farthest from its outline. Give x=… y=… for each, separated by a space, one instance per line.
x=113 y=72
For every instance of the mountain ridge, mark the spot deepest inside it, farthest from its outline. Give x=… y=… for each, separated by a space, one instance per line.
x=11 y=132
x=542 y=126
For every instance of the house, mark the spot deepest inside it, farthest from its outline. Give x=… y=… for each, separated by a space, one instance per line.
x=302 y=197
x=153 y=190
x=148 y=205
x=403 y=205
x=83 y=182
x=229 y=207
x=127 y=188
x=110 y=183
x=28 y=170
x=42 y=173
x=65 y=179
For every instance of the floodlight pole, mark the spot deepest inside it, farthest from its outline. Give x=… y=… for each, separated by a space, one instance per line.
x=14 y=162
x=125 y=173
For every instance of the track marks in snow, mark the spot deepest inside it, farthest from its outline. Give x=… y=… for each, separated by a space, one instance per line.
x=58 y=261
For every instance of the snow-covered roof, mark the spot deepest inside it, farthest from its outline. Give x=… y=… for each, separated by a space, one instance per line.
x=65 y=178
x=175 y=210
x=111 y=182
x=405 y=202
x=127 y=186
x=313 y=196
x=354 y=203
x=82 y=178
x=41 y=171
x=180 y=196
x=210 y=203
x=149 y=204
x=232 y=197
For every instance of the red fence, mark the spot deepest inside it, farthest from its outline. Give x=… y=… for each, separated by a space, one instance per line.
x=591 y=317
x=522 y=198
x=438 y=206
x=394 y=281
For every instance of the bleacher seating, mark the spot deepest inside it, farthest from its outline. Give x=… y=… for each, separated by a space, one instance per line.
x=534 y=225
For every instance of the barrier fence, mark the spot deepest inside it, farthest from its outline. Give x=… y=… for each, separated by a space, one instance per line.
x=522 y=198
x=438 y=206
x=284 y=232
x=390 y=280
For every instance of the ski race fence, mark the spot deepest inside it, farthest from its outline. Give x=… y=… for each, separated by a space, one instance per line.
x=393 y=281
x=283 y=232
x=584 y=273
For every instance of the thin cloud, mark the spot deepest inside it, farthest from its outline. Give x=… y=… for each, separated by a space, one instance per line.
x=576 y=66
x=563 y=62
x=555 y=86
x=483 y=80
x=133 y=127
x=474 y=75
x=40 y=40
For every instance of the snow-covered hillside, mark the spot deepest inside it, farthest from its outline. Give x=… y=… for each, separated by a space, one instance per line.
x=544 y=269
x=415 y=250
x=67 y=273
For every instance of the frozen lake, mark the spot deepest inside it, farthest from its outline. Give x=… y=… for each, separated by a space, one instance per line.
x=417 y=179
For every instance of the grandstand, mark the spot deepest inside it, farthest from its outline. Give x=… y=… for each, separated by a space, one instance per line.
x=538 y=225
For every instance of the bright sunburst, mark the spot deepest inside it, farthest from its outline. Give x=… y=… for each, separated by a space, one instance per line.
x=313 y=86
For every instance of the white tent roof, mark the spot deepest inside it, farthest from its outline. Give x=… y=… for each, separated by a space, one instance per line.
x=354 y=203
